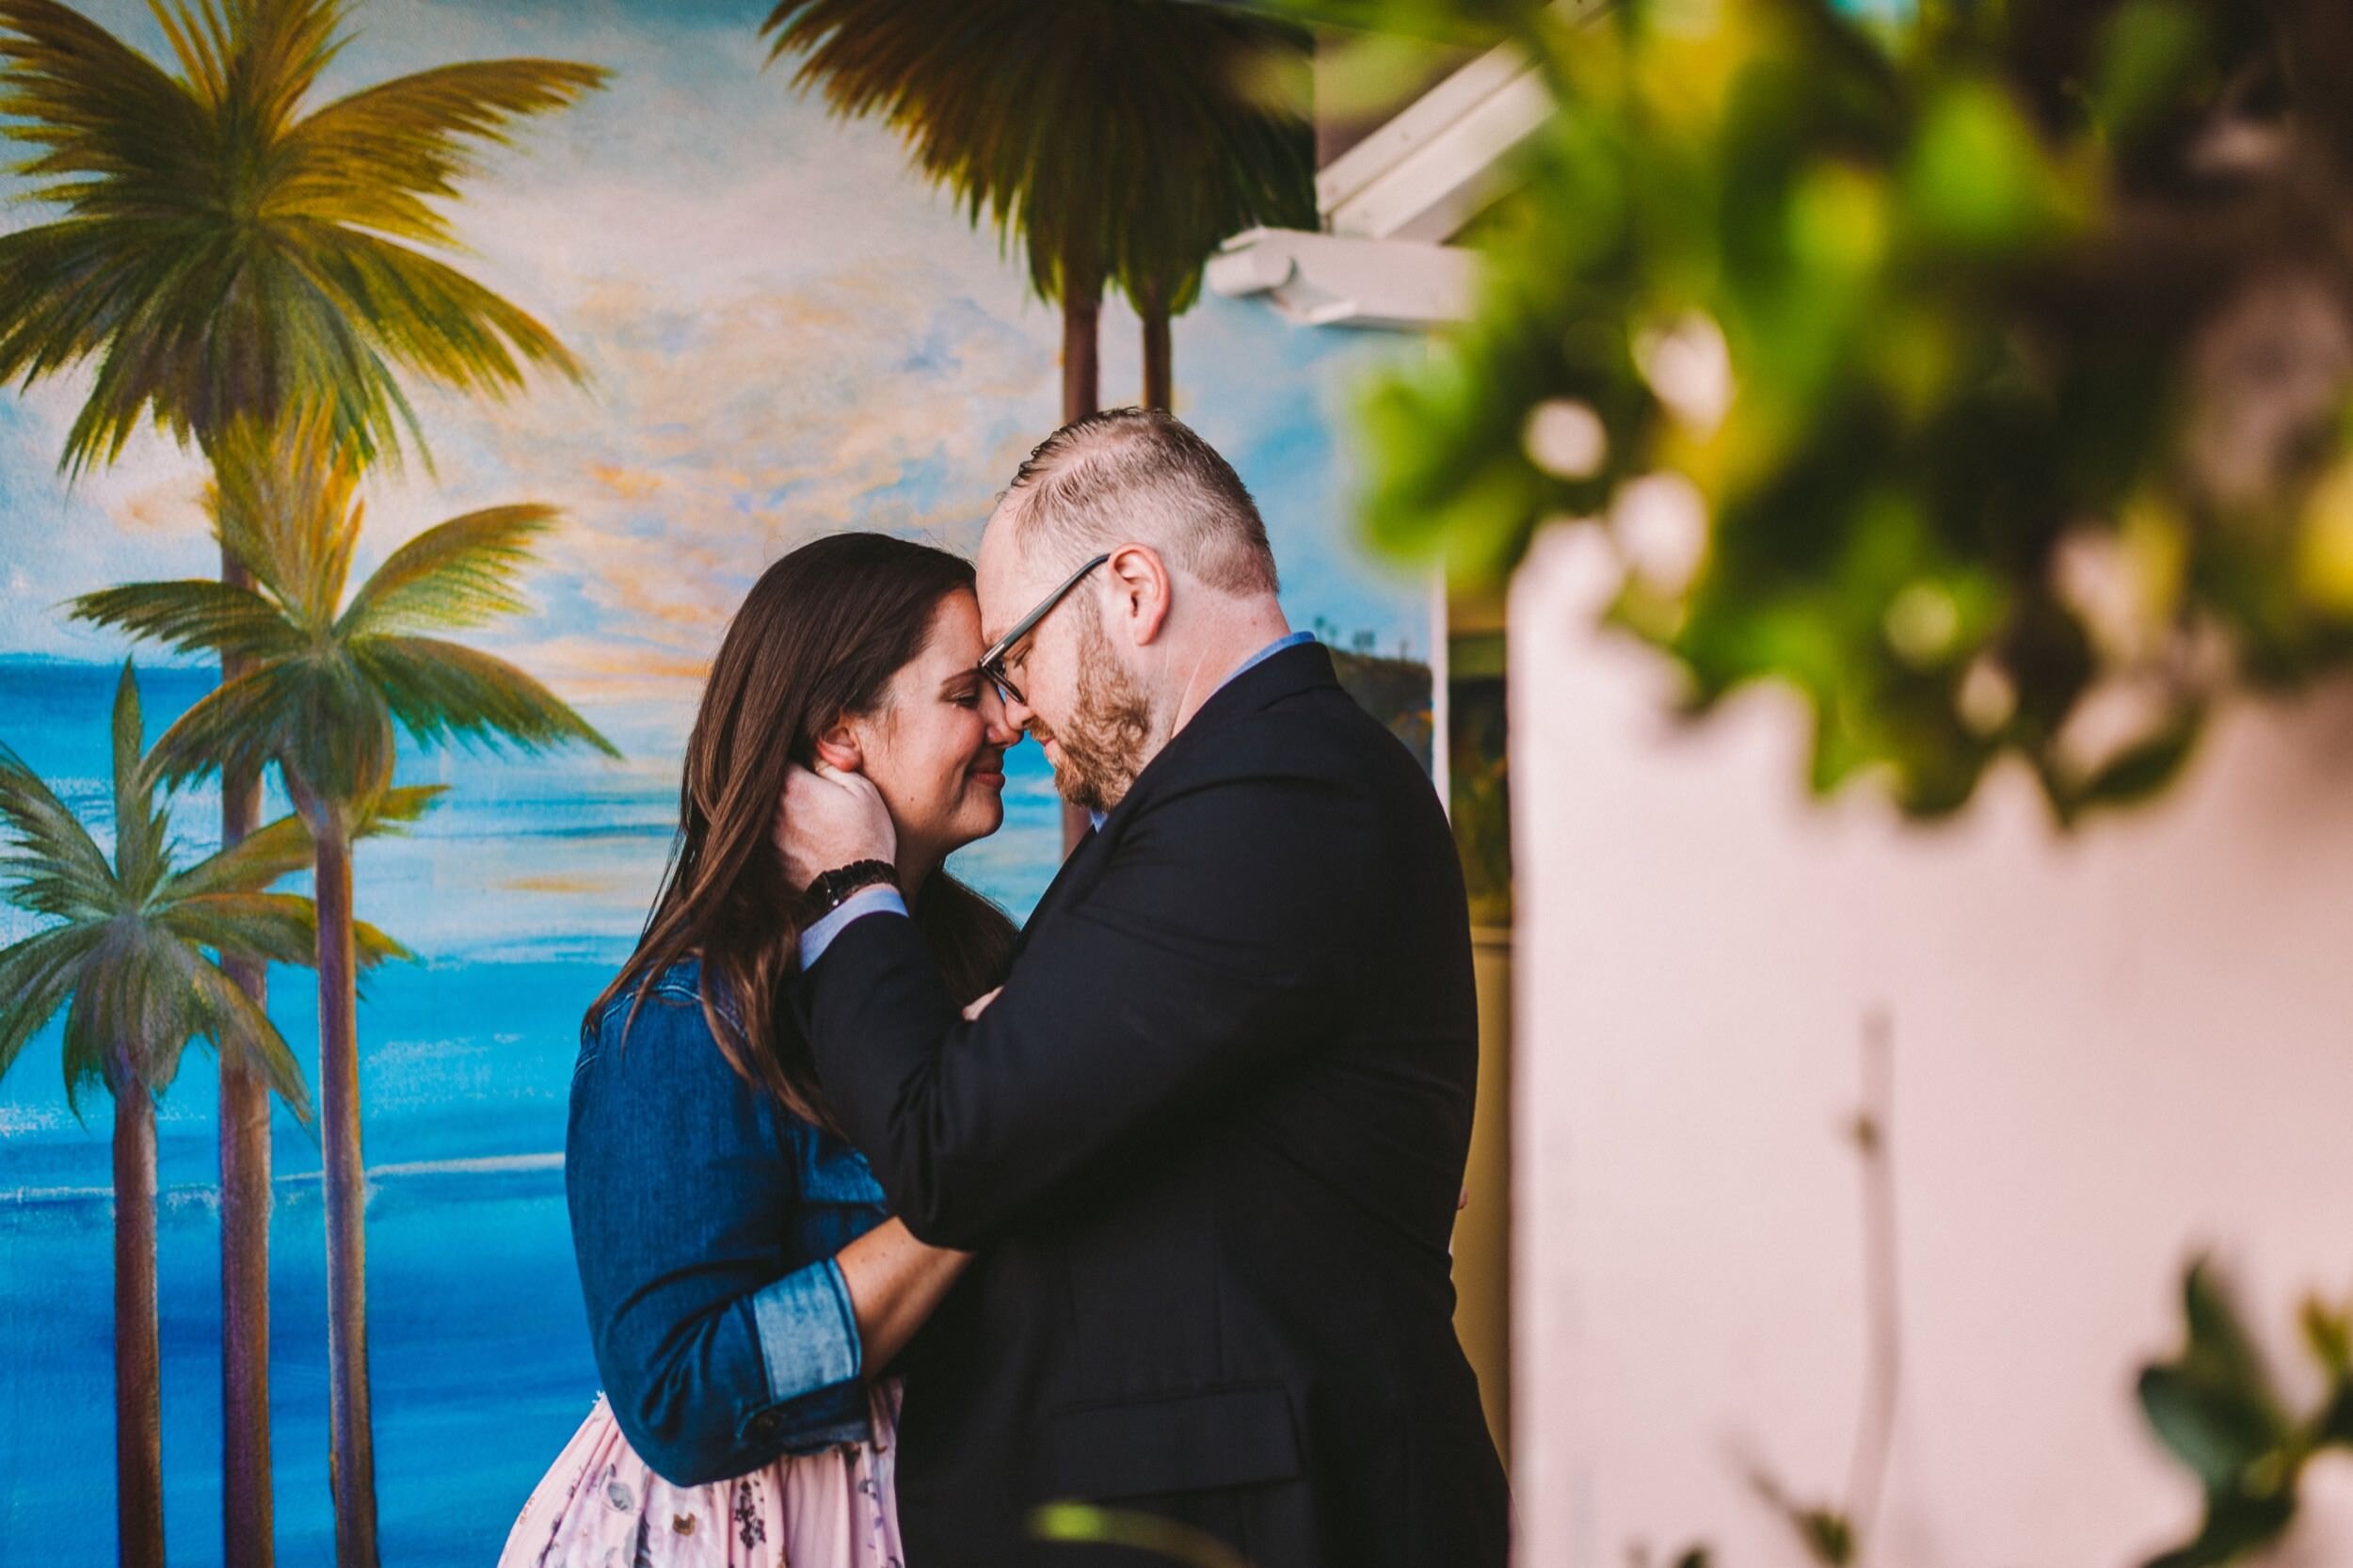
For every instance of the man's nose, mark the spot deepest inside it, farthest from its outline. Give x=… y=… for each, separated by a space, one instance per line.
x=1001 y=728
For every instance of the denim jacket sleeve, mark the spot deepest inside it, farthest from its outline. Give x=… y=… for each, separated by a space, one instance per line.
x=718 y=1349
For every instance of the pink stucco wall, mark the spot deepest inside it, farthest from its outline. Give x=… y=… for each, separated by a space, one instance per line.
x=2107 y=1052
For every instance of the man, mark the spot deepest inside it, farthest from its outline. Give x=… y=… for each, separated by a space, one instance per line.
x=1209 y=1138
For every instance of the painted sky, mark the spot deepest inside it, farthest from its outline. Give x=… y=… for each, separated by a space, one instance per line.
x=788 y=333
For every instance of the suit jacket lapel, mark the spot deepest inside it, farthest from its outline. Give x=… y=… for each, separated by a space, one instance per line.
x=1287 y=674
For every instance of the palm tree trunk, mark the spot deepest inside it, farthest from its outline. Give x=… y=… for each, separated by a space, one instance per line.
x=1082 y=395
x=245 y=1505
x=352 y=1456
x=1159 y=369
x=139 y=1363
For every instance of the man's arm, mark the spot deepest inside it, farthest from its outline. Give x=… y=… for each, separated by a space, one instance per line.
x=1204 y=957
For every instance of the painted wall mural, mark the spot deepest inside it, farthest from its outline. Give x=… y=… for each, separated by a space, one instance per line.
x=641 y=316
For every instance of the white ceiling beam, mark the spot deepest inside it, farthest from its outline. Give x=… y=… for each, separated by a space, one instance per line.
x=1426 y=173
x=1342 y=280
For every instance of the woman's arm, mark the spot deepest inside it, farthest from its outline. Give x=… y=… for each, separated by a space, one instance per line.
x=678 y=1193
x=895 y=1283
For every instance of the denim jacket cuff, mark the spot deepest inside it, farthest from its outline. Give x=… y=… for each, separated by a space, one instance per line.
x=808 y=1333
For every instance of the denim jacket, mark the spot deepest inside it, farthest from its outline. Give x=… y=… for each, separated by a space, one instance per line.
x=705 y=1220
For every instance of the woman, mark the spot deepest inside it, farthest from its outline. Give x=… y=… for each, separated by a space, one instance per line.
x=745 y=1292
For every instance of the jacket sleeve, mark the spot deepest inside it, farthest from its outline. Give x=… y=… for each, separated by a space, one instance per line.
x=712 y=1361
x=1200 y=960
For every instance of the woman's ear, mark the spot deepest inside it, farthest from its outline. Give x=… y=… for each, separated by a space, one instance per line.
x=837 y=747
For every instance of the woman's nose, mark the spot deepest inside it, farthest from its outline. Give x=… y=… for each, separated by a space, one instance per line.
x=1005 y=719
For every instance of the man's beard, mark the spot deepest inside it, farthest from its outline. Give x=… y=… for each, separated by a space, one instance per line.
x=1110 y=725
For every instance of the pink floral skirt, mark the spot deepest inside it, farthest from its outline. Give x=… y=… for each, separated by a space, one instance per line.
x=599 y=1507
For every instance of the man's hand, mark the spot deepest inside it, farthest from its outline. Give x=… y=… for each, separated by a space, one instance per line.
x=829 y=818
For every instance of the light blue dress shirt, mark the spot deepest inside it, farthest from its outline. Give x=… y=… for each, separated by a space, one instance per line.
x=881 y=900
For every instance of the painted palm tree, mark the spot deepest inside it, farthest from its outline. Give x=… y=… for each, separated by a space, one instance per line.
x=223 y=248
x=1120 y=140
x=126 y=951
x=326 y=680
x=1213 y=111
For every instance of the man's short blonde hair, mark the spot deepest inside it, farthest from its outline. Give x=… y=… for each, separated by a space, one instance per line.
x=1139 y=475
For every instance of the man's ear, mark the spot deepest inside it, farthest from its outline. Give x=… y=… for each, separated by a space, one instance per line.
x=1145 y=589
x=837 y=746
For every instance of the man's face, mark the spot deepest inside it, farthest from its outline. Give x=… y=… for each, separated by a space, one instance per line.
x=1079 y=699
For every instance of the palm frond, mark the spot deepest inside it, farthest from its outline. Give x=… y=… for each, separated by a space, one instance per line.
x=279 y=928
x=274 y=51
x=387 y=814
x=456 y=574
x=1143 y=134
x=283 y=847
x=435 y=319
x=193 y=616
x=53 y=866
x=285 y=500
x=440 y=691
x=250 y=865
x=117 y=1016
x=100 y=112
x=141 y=858
x=238 y=725
x=37 y=976
x=378 y=159
x=244 y=1033
x=375 y=946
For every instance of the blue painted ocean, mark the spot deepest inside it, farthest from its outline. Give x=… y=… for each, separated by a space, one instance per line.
x=520 y=895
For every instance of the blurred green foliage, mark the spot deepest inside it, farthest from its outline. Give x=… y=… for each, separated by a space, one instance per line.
x=1986 y=376
x=2216 y=1409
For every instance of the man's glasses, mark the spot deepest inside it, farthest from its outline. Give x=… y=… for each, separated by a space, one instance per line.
x=993 y=663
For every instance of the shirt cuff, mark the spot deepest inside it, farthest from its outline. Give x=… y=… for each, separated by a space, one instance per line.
x=879 y=898
x=808 y=1333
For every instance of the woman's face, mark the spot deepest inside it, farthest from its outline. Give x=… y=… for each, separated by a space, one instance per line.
x=935 y=748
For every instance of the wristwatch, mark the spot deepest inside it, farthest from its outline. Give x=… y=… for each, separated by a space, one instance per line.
x=833 y=888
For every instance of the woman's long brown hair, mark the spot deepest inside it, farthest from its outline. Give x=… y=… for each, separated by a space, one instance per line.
x=820 y=635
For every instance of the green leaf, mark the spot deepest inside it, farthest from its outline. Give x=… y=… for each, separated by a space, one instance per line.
x=2218 y=1431
x=2328 y=1332
x=2336 y=1426
x=1978 y=180
x=2142 y=770
x=1111 y=1527
x=2213 y=1406
x=2150 y=51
